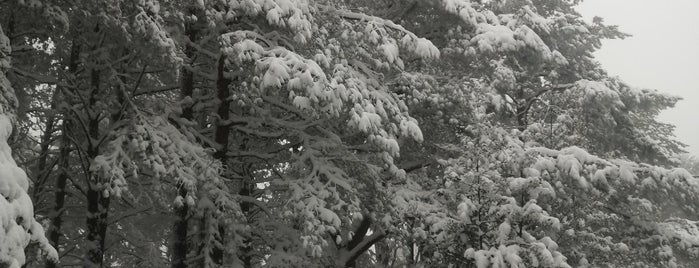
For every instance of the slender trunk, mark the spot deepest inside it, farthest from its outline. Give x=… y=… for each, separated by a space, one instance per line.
x=522 y=117
x=60 y=193
x=245 y=207
x=97 y=202
x=98 y=210
x=223 y=111
x=63 y=158
x=247 y=187
x=179 y=246
x=411 y=243
x=221 y=137
x=521 y=221
x=522 y=110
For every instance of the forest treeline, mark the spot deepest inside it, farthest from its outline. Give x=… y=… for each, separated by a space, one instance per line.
x=331 y=133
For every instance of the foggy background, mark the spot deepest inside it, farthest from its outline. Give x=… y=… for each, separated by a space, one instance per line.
x=662 y=54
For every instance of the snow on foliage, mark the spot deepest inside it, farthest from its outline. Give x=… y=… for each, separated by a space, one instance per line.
x=329 y=91
x=503 y=33
x=149 y=23
x=17 y=222
x=685 y=232
x=324 y=83
x=543 y=186
x=153 y=145
x=517 y=149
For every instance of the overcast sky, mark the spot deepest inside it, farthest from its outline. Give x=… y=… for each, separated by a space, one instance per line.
x=662 y=54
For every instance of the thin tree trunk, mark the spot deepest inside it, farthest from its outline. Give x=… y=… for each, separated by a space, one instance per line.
x=98 y=211
x=359 y=243
x=179 y=247
x=60 y=191
x=97 y=202
x=221 y=137
x=522 y=117
x=245 y=207
x=247 y=187
x=180 y=228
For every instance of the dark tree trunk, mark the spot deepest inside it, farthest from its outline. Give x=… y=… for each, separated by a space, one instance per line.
x=223 y=112
x=60 y=193
x=64 y=163
x=97 y=202
x=245 y=207
x=247 y=188
x=98 y=210
x=179 y=246
x=359 y=243
x=522 y=117
x=221 y=137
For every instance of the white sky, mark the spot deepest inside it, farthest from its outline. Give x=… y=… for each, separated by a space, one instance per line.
x=662 y=54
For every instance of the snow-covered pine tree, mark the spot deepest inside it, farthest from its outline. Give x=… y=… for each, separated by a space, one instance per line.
x=519 y=63
x=19 y=227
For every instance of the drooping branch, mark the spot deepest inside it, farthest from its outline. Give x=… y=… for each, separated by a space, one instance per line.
x=523 y=108
x=155 y=90
x=349 y=15
x=37 y=77
x=422 y=163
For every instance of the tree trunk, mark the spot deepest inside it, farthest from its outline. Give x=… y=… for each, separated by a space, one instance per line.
x=359 y=243
x=179 y=246
x=98 y=210
x=97 y=202
x=246 y=190
x=64 y=164
x=221 y=137
x=522 y=116
x=60 y=194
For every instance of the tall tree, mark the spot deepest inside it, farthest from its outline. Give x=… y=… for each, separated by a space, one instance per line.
x=18 y=225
